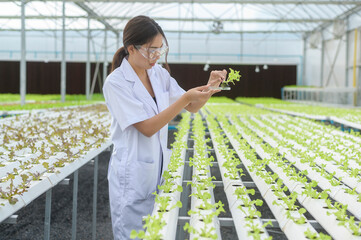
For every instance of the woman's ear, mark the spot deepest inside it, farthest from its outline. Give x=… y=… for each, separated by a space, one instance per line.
x=131 y=49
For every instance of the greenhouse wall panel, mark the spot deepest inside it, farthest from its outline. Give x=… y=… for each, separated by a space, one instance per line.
x=313 y=67
x=334 y=63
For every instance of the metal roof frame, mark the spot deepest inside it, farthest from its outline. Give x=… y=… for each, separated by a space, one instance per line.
x=94 y=15
x=316 y=2
x=285 y=16
x=265 y=20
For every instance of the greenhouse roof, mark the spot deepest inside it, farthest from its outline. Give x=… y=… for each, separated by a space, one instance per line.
x=198 y=16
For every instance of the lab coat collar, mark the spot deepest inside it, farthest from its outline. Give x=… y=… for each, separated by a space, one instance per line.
x=155 y=85
x=128 y=71
x=161 y=96
x=140 y=91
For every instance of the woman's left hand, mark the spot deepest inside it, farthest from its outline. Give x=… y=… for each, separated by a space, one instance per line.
x=216 y=77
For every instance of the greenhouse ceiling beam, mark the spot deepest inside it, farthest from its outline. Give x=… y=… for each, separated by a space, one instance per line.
x=300 y=20
x=165 y=30
x=317 y=2
x=94 y=15
x=342 y=16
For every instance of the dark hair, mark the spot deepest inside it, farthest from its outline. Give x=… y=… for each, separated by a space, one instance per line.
x=138 y=31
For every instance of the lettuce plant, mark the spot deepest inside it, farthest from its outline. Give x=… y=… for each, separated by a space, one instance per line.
x=32 y=138
x=232 y=76
x=153 y=224
x=316 y=236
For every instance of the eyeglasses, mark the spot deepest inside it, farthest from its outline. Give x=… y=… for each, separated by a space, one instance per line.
x=152 y=54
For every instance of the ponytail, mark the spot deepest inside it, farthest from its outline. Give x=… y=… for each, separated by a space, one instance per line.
x=118 y=58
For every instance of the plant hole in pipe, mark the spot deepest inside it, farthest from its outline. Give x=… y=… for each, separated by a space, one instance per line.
x=237 y=185
x=293 y=210
x=253 y=217
x=163 y=210
x=326 y=207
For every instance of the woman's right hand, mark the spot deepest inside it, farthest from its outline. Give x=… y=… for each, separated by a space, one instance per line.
x=200 y=94
x=217 y=77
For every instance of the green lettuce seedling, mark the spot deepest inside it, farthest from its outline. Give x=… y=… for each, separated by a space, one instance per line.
x=232 y=76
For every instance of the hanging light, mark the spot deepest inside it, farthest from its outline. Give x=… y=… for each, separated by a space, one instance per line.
x=217 y=27
x=265 y=67
x=206 y=66
x=256 y=69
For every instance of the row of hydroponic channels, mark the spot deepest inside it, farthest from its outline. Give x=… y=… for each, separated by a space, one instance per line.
x=348 y=116
x=298 y=166
x=38 y=150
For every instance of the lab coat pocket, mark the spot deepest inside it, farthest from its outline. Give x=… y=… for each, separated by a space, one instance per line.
x=143 y=180
x=118 y=160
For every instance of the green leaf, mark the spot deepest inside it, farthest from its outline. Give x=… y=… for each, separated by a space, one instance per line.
x=179 y=188
x=133 y=234
x=141 y=234
x=179 y=204
x=302 y=211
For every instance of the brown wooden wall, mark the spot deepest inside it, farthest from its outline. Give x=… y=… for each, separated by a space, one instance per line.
x=44 y=78
x=266 y=83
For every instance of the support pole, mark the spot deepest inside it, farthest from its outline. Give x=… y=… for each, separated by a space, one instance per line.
x=303 y=62
x=299 y=73
x=117 y=43
x=75 y=206
x=322 y=58
x=23 y=55
x=87 y=75
x=241 y=34
x=95 y=192
x=347 y=54
x=47 y=215
x=63 y=63
x=105 y=64
x=96 y=72
x=179 y=33
x=354 y=69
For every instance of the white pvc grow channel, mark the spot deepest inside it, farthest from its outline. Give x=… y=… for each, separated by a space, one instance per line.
x=285 y=180
x=40 y=149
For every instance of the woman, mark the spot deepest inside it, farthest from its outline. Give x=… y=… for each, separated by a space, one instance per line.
x=142 y=98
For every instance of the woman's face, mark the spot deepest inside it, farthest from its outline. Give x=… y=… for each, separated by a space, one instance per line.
x=146 y=55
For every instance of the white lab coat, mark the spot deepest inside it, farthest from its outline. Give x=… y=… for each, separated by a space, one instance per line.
x=134 y=169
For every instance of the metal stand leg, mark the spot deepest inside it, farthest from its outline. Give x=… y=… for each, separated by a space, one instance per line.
x=95 y=192
x=47 y=215
x=75 y=205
